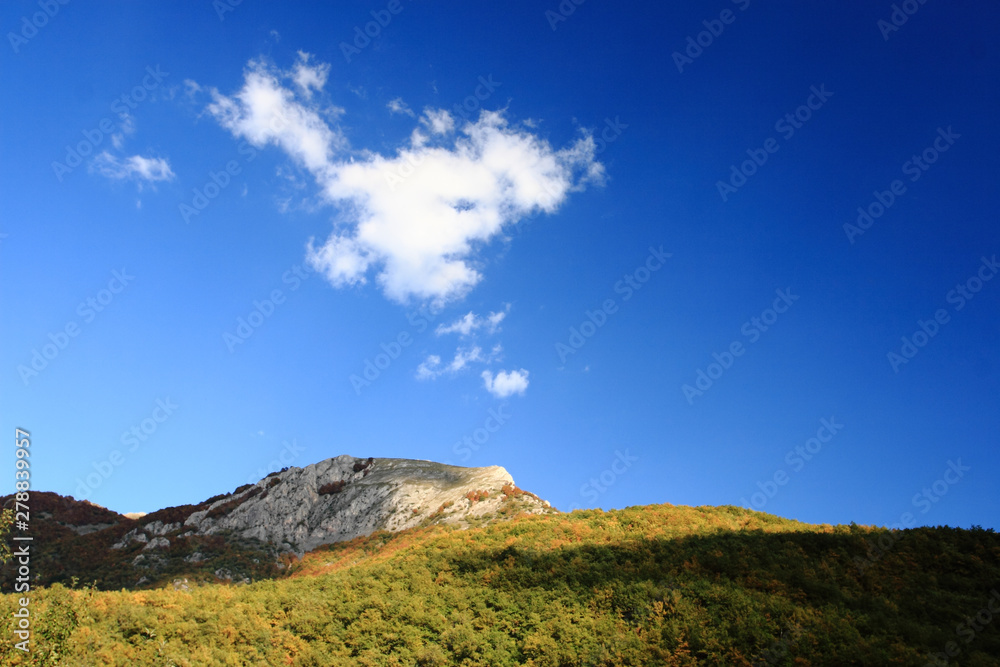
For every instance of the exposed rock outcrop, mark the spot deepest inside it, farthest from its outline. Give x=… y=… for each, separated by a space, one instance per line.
x=342 y=498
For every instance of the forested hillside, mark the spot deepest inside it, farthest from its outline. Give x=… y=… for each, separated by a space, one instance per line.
x=654 y=585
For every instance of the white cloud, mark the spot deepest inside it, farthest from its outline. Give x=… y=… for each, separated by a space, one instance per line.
x=425 y=229
x=504 y=383
x=136 y=167
x=265 y=112
x=309 y=78
x=462 y=358
x=470 y=322
x=399 y=106
x=462 y=326
x=438 y=121
x=191 y=89
x=431 y=367
x=493 y=320
x=342 y=260
x=422 y=216
x=127 y=127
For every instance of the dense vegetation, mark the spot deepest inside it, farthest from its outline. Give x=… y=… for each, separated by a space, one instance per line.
x=656 y=585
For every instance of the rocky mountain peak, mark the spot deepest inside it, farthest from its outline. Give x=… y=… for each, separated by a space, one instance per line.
x=299 y=509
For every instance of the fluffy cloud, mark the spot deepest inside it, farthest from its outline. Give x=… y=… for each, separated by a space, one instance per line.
x=419 y=217
x=135 y=168
x=438 y=121
x=265 y=112
x=423 y=214
x=505 y=383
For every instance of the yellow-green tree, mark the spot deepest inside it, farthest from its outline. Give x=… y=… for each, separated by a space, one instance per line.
x=6 y=523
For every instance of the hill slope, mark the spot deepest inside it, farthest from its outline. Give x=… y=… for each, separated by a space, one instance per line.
x=657 y=585
x=248 y=534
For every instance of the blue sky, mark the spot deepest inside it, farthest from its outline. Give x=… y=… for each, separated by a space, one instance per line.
x=616 y=250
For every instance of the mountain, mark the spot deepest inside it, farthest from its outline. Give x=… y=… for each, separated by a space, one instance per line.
x=643 y=586
x=254 y=531
x=343 y=498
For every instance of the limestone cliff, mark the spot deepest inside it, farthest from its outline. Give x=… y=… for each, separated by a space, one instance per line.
x=344 y=497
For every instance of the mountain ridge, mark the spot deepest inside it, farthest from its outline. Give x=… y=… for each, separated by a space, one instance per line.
x=253 y=531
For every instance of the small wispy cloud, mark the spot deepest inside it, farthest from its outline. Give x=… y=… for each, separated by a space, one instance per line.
x=432 y=367
x=470 y=326
x=470 y=322
x=464 y=357
x=309 y=78
x=429 y=368
x=399 y=106
x=136 y=167
x=126 y=128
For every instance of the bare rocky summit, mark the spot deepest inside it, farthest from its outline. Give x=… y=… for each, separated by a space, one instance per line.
x=342 y=498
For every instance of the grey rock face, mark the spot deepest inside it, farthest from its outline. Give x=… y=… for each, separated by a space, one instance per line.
x=134 y=535
x=344 y=497
x=157 y=543
x=160 y=528
x=89 y=528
